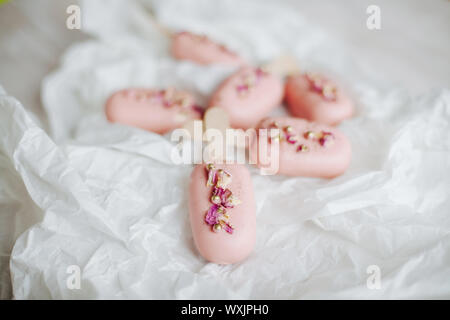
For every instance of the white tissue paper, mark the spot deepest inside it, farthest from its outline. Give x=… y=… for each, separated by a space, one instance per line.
x=113 y=205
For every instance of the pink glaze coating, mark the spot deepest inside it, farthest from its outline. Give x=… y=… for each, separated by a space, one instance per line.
x=248 y=96
x=306 y=101
x=154 y=110
x=222 y=247
x=326 y=160
x=202 y=50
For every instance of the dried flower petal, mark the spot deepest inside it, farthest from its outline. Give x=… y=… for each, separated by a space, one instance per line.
x=329 y=92
x=212 y=215
x=321 y=86
x=223 y=178
x=242 y=88
x=310 y=135
x=288 y=129
x=217 y=192
x=259 y=73
x=275 y=124
x=326 y=138
x=221 y=198
x=212 y=178
x=233 y=201
x=228 y=228
x=302 y=148
x=226 y=194
x=291 y=139
x=226 y=197
x=198 y=109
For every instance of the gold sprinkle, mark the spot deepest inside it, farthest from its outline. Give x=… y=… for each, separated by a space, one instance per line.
x=329 y=91
x=249 y=80
x=309 y=135
x=276 y=138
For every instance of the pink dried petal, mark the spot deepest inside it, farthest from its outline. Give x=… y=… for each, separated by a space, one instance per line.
x=315 y=83
x=326 y=137
x=242 y=87
x=228 y=228
x=226 y=194
x=259 y=73
x=212 y=178
x=316 y=86
x=217 y=192
x=228 y=205
x=198 y=109
x=291 y=139
x=226 y=199
x=212 y=216
x=322 y=141
x=302 y=148
x=223 y=178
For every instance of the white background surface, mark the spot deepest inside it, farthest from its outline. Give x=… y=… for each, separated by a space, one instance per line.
x=411 y=50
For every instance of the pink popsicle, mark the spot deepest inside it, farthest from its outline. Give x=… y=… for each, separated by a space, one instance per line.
x=316 y=98
x=154 y=110
x=248 y=96
x=202 y=50
x=223 y=222
x=306 y=148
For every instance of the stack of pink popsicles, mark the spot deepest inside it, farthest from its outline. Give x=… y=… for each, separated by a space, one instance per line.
x=221 y=202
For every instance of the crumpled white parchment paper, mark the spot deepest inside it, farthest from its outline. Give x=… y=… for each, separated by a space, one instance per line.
x=112 y=202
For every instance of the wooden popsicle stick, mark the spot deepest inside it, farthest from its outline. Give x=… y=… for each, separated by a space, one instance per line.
x=158 y=26
x=216 y=118
x=190 y=127
x=284 y=65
